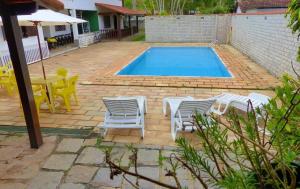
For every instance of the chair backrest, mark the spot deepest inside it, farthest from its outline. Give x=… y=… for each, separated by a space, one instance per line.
x=6 y=67
x=188 y=108
x=263 y=99
x=121 y=106
x=12 y=77
x=72 y=81
x=62 y=72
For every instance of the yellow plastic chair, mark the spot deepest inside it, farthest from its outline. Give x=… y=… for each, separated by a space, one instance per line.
x=51 y=40
x=4 y=70
x=40 y=96
x=61 y=74
x=9 y=82
x=69 y=91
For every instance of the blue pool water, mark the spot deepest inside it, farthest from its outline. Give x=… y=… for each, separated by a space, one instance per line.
x=177 y=61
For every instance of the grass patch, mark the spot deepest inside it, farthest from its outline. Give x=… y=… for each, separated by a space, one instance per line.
x=139 y=37
x=51 y=131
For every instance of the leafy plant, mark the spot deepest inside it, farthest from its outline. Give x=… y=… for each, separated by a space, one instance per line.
x=174 y=7
x=294 y=23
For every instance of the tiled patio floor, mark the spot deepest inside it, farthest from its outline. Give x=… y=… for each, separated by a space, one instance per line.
x=96 y=63
x=18 y=163
x=76 y=163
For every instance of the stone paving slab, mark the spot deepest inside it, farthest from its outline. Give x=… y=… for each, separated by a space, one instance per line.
x=10 y=152
x=91 y=172
x=151 y=172
x=91 y=156
x=72 y=186
x=69 y=145
x=90 y=142
x=102 y=179
x=15 y=185
x=45 y=179
x=2 y=137
x=81 y=174
x=121 y=155
x=147 y=157
x=60 y=162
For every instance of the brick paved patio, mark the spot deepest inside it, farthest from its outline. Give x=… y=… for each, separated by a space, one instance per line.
x=96 y=65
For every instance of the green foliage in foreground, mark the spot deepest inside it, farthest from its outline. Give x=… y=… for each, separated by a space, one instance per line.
x=253 y=159
x=186 y=6
x=294 y=23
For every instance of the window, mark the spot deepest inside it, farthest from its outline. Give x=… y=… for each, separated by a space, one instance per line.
x=60 y=28
x=106 y=21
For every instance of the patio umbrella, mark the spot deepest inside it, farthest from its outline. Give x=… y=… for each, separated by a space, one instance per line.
x=46 y=17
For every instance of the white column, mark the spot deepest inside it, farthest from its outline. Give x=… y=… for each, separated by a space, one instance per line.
x=74 y=26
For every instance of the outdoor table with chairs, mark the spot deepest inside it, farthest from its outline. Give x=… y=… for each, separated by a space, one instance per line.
x=46 y=89
x=43 y=89
x=56 y=85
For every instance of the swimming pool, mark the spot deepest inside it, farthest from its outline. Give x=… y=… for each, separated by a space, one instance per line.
x=177 y=61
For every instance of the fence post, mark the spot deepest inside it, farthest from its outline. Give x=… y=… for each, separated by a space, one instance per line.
x=119 y=26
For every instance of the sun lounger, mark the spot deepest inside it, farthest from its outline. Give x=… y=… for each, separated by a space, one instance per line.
x=182 y=111
x=125 y=112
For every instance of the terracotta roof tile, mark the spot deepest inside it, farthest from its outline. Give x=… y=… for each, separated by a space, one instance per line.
x=53 y=4
x=119 y=9
x=254 y=4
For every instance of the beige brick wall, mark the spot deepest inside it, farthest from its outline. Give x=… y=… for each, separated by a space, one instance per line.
x=267 y=40
x=185 y=28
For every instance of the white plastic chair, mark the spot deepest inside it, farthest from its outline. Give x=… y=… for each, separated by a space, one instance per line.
x=125 y=112
x=182 y=111
x=225 y=100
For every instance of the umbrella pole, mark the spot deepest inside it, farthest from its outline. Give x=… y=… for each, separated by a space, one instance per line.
x=40 y=49
x=41 y=56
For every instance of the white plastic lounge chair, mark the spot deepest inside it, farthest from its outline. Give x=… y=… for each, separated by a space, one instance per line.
x=125 y=112
x=225 y=100
x=182 y=110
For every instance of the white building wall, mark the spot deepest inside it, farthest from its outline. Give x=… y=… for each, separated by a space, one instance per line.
x=88 y=4
x=101 y=22
x=267 y=40
x=49 y=31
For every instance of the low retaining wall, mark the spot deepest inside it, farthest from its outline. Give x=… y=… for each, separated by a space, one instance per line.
x=187 y=28
x=267 y=40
